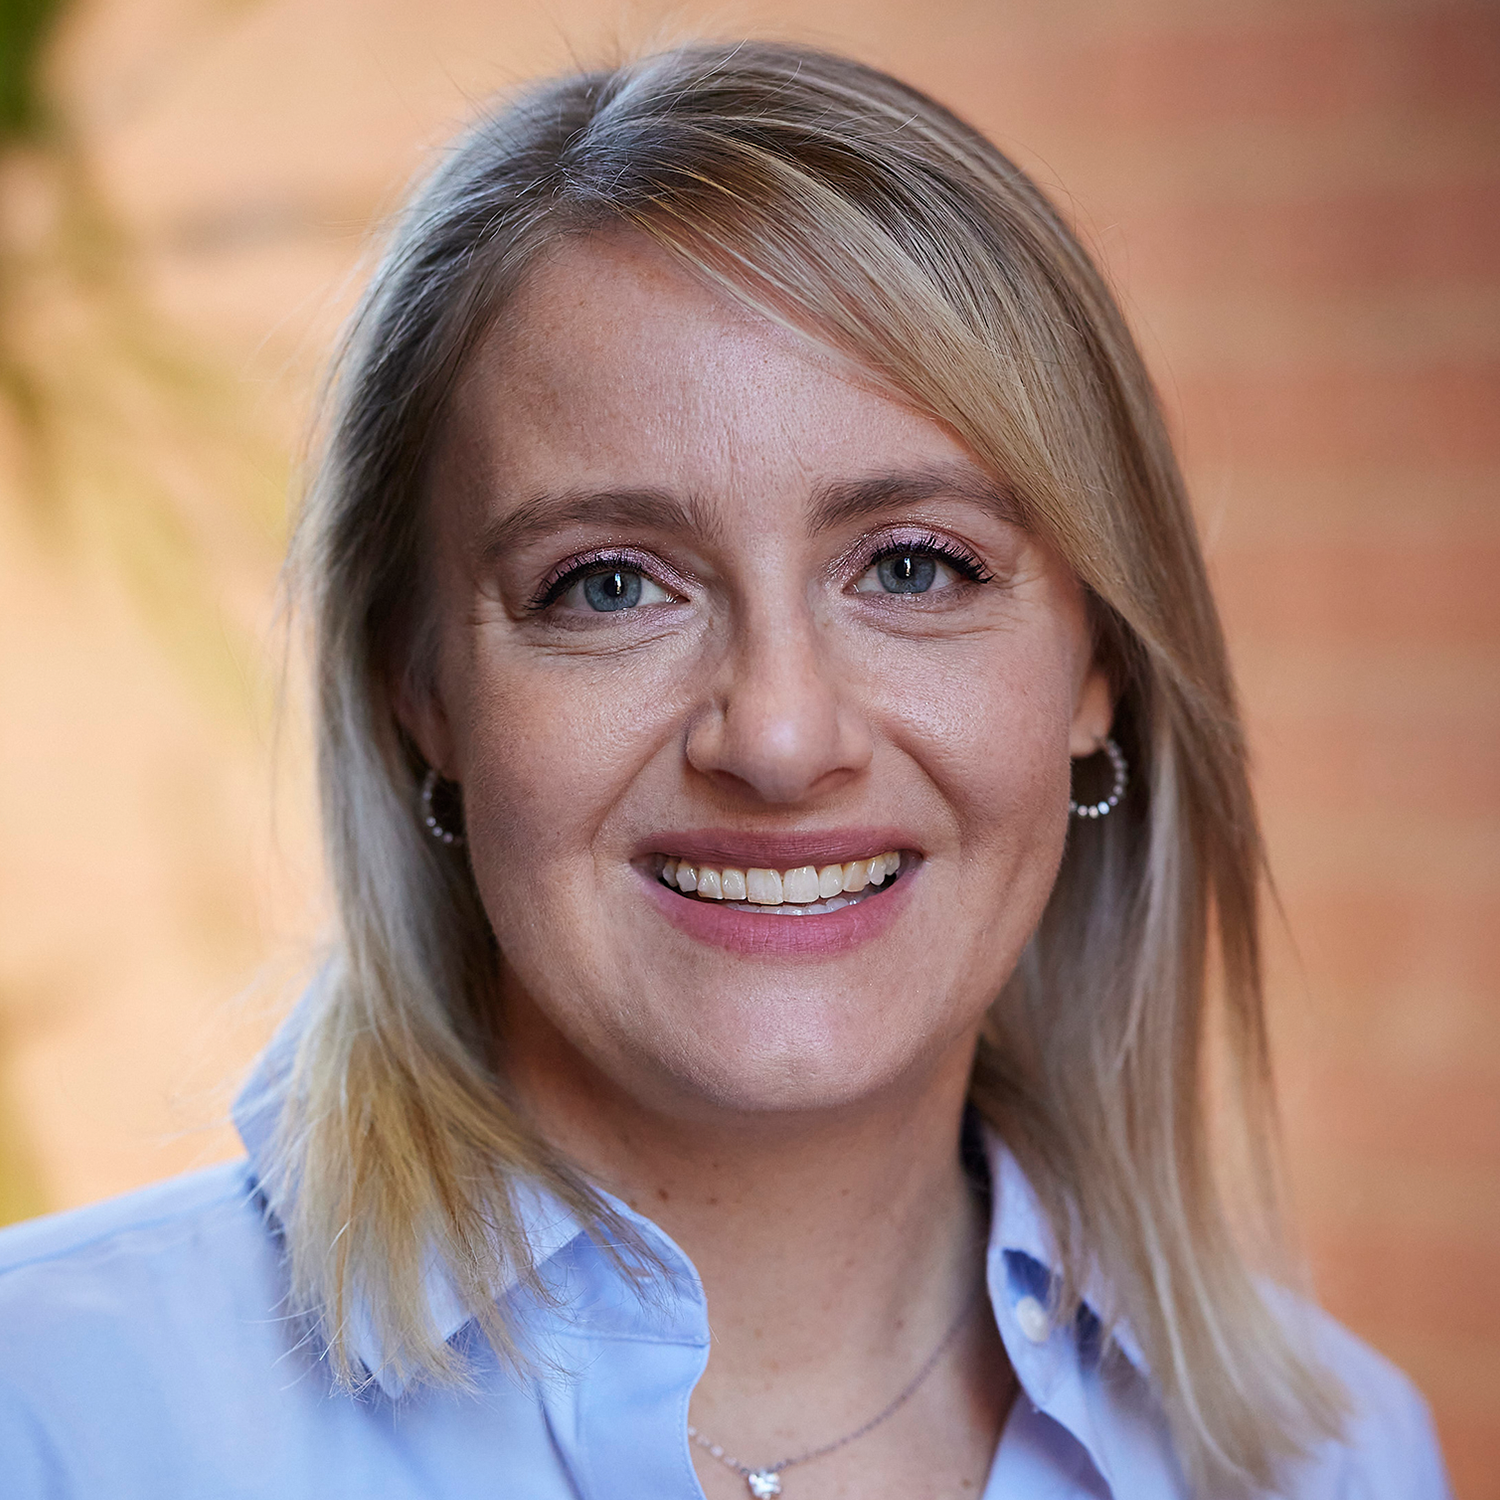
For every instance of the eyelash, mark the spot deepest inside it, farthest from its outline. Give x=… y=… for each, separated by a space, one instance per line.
x=562 y=578
x=960 y=559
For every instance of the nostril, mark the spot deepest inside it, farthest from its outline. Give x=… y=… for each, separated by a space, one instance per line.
x=782 y=729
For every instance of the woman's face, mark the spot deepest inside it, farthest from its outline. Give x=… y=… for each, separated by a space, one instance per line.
x=704 y=599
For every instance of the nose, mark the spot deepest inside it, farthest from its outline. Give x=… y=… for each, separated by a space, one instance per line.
x=780 y=721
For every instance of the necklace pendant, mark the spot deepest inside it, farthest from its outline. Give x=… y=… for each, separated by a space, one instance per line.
x=763 y=1482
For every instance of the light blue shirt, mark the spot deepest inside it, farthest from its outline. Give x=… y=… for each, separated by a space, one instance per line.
x=145 y=1355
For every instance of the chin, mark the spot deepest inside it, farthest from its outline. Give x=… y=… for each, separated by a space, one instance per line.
x=790 y=1058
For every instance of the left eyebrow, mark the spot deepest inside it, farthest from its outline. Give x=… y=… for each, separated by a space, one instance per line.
x=842 y=501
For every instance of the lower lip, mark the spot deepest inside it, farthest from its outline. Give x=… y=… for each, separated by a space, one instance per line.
x=771 y=936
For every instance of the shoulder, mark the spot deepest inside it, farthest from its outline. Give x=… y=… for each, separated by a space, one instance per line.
x=172 y=1233
x=170 y=1275
x=141 y=1339
x=131 y=1221
x=1389 y=1449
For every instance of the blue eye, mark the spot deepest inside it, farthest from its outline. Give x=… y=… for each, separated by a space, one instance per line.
x=602 y=587
x=617 y=588
x=932 y=564
x=907 y=573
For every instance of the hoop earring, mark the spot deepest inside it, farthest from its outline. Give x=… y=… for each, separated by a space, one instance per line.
x=430 y=817
x=1122 y=780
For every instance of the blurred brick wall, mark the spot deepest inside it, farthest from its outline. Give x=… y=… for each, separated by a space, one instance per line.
x=1300 y=203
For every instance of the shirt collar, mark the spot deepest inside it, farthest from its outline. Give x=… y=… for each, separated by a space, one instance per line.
x=549 y=1226
x=1021 y=1238
x=1022 y=1259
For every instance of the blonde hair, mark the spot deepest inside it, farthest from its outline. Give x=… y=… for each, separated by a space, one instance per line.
x=857 y=211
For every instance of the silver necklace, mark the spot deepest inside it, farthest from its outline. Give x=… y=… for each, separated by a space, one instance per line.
x=766 y=1480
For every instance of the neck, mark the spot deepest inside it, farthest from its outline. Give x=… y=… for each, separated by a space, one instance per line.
x=835 y=1247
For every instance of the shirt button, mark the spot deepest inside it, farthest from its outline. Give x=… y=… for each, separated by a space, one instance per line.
x=1032 y=1317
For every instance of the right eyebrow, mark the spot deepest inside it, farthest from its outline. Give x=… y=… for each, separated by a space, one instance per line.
x=543 y=514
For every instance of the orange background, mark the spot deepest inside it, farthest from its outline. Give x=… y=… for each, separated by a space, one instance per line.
x=1300 y=203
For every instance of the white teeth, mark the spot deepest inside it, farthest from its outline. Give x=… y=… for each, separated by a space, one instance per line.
x=805 y=889
x=763 y=887
x=787 y=909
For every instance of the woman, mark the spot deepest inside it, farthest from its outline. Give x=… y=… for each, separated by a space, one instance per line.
x=788 y=814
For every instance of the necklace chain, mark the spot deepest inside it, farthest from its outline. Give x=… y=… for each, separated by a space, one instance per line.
x=766 y=1480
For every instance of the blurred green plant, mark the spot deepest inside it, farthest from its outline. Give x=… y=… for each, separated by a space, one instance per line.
x=24 y=25
x=122 y=447
x=126 y=442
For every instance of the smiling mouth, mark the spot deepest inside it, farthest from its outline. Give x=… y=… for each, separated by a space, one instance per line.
x=804 y=891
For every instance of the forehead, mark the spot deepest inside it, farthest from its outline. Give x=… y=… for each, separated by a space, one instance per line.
x=615 y=365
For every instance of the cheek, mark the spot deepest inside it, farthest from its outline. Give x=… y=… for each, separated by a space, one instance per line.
x=548 y=746
x=988 y=723
x=542 y=769
x=992 y=738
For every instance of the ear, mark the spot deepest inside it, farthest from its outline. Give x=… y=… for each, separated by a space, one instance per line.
x=420 y=711
x=1093 y=713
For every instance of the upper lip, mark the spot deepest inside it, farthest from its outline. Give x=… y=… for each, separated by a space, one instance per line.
x=743 y=849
